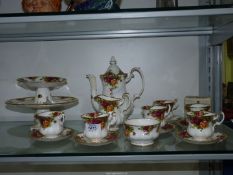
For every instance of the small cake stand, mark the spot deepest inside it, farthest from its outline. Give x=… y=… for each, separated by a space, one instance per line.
x=42 y=85
x=43 y=101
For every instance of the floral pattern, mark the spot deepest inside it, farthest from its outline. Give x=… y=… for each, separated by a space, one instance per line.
x=146 y=129
x=46 y=121
x=168 y=126
x=199 y=120
x=56 y=114
x=130 y=130
x=112 y=79
x=107 y=105
x=159 y=114
x=41 y=79
x=184 y=134
x=93 y=118
x=51 y=79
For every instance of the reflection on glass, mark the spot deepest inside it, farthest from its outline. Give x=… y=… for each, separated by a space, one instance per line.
x=167 y=3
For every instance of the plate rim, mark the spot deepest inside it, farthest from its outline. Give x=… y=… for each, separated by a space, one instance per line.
x=73 y=100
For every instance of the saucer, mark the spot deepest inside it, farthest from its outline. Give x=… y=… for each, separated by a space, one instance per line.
x=36 y=135
x=167 y=128
x=110 y=138
x=215 y=138
x=29 y=102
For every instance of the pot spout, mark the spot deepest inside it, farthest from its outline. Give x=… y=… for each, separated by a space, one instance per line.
x=92 y=81
x=93 y=85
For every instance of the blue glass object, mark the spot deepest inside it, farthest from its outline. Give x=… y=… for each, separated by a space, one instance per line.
x=95 y=5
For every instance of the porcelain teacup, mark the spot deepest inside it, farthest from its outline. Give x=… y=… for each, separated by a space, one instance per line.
x=146 y=110
x=96 y=126
x=158 y=113
x=201 y=124
x=50 y=123
x=172 y=103
x=141 y=131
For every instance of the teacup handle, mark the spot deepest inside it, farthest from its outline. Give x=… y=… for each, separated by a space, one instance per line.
x=168 y=112
x=166 y=116
x=217 y=117
x=176 y=105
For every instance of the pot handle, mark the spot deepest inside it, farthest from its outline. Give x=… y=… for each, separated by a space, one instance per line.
x=131 y=75
x=218 y=116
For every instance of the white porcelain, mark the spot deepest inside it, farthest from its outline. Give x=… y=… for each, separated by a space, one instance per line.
x=217 y=137
x=82 y=139
x=202 y=126
x=141 y=132
x=65 y=134
x=43 y=96
x=50 y=123
x=159 y=113
x=35 y=82
x=114 y=83
x=96 y=126
x=42 y=85
x=145 y=110
x=29 y=102
x=173 y=104
x=112 y=106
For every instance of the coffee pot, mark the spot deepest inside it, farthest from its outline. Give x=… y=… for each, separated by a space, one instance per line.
x=114 y=82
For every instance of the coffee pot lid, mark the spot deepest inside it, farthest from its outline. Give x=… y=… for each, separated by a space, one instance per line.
x=113 y=67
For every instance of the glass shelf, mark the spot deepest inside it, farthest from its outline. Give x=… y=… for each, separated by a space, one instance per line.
x=182 y=21
x=17 y=146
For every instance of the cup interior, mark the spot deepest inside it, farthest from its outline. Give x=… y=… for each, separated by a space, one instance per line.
x=95 y=117
x=141 y=122
x=157 y=107
x=201 y=114
x=198 y=105
x=49 y=114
